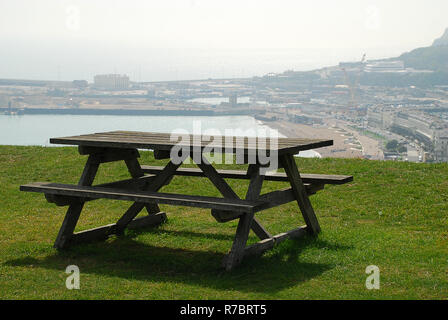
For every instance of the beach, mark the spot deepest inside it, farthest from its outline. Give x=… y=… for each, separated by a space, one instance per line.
x=347 y=142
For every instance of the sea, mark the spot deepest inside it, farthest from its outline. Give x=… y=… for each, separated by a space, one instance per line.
x=26 y=130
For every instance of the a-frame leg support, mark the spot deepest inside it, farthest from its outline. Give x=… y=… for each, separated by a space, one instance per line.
x=155 y=217
x=236 y=253
x=300 y=194
x=239 y=249
x=227 y=192
x=74 y=210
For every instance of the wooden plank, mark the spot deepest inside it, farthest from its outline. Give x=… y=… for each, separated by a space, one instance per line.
x=164 y=138
x=253 y=193
x=260 y=247
x=227 y=192
x=236 y=253
x=95 y=234
x=161 y=179
x=225 y=216
x=217 y=180
x=62 y=201
x=163 y=142
x=259 y=230
x=103 y=232
x=271 y=200
x=279 y=197
x=264 y=245
x=136 y=171
x=300 y=194
x=144 y=196
x=148 y=221
x=134 y=168
x=104 y=155
x=238 y=174
x=89 y=172
x=162 y=154
x=74 y=210
x=68 y=225
x=129 y=184
x=210 y=172
x=133 y=184
x=292 y=234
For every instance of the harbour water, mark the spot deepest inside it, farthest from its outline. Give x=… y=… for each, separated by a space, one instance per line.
x=218 y=100
x=38 y=129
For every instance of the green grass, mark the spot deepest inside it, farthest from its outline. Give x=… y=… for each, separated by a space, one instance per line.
x=394 y=215
x=370 y=134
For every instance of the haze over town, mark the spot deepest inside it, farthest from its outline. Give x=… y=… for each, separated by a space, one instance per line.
x=371 y=75
x=198 y=39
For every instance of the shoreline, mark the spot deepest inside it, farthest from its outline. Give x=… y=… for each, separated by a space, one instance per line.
x=347 y=143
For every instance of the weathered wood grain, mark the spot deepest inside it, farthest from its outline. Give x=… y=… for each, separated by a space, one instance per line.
x=300 y=193
x=262 y=246
x=103 y=232
x=163 y=141
x=74 y=210
x=142 y=197
x=238 y=174
x=236 y=253
x=136 y=171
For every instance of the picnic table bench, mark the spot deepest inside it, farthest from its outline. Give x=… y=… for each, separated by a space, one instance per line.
x=143 y=187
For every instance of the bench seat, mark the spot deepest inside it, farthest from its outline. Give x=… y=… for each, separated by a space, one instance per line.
x=58 y=189
x=307 y=178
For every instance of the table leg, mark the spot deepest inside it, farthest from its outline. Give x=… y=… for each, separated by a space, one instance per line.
x=160 y=180
x=97 y=156
x=74 y=210
x=300 y=193
x=259 y=230
x=227 y=192
x=136 y=171
x=236 y=254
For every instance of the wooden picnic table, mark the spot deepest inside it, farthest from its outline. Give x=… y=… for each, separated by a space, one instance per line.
x=143 y=188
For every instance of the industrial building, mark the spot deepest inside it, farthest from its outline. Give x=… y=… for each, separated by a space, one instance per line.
x=385 y=66
x=441 y=146
x=111 y=81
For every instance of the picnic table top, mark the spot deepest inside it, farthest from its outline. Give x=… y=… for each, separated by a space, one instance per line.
x=164 y=141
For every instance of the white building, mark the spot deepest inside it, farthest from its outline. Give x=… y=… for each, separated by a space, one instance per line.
x=385 y=66
x=111 y=81
x=441 y=146
x=413 y=156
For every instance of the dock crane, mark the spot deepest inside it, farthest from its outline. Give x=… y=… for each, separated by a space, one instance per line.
x=352 y=86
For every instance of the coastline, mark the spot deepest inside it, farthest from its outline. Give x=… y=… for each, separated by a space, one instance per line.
x=347 y=143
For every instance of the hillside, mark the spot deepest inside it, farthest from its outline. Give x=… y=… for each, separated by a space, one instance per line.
x=394 y=216
x=442 y=41
x=433 y=58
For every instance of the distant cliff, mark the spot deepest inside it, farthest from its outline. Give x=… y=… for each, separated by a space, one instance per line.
x=429 y=58
x=442 y=41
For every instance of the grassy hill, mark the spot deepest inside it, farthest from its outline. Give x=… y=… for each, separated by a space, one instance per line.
x=429 y=58
x=394 y=216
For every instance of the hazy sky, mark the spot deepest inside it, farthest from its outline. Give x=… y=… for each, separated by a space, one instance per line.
x=78 y=38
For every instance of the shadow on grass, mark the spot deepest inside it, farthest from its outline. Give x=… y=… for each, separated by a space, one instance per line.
x=127 y=258
x=187 y=234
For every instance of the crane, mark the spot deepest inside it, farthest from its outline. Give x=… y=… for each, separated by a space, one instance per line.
x=352 y=86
